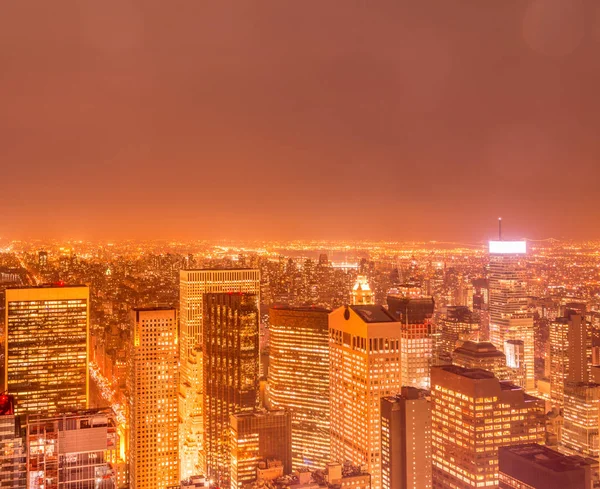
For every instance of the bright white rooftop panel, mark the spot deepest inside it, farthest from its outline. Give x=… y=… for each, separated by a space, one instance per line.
x=508 y=247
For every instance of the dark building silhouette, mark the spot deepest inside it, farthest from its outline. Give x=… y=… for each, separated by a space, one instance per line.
x=537 y=467
x=230 y=371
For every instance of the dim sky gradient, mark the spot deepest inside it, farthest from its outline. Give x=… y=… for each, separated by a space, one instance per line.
x=335 y=119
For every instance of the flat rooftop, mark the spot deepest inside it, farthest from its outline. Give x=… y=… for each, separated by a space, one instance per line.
x=285 y=307
x=548 y=458
x=470 y=373
x=56 y=285
x=155 y=308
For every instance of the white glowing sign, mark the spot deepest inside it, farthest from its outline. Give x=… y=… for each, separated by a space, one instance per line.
x=508 y=247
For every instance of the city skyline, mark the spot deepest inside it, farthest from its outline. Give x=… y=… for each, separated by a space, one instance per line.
x=282 y=121
x=300 y=245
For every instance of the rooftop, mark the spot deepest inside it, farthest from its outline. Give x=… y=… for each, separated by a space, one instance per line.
x=153 y=308
x=550 y=459
x=471 y=373
x=55 y=285
x=483 y=349
x=373 y=314
x=243 y=269
x=285 y=307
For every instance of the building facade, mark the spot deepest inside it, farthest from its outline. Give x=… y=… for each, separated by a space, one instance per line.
x=416 y=339
x=193 y=284
x=299 y=379
x=259 y=436
x=474 y=414
x=231 y=366
x=581 y=413
x=153 y=396
x=406 y=440
x=72 y=450
x=13 y=455
x=364 y=366
x=570 y=348
x=456 y=325
x=46 y=342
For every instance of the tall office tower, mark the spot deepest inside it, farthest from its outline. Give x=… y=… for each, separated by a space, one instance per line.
x=361 y=292
x=13 y=455
x=193 y=284
x=299 y=379
x=456 y=325
x=534 y=466
x=473 y=414
x=153 y=392
x=581 y=413
x=256 y=437
x=231 y=358
x=406 y=440
x=482 y=355
x=364 y=359
x=570 y=348
x=72 y=450
x=509 y=315
x=416 y=340
x=46 y=341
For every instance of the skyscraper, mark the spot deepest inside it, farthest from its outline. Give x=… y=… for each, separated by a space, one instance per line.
x=509 y=315
x=231 y=358
x=299 y=379
x=193 y=284
x=257 y=436
x=406 y=440
x=153 y=392
x=570 y=348
x=457 y=324
x=46 y=341
x=416 y=340
x=581 y=410
x=473 y=414
x=364 y=366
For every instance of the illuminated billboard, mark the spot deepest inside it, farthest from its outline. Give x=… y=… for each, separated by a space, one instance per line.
x=508 y=247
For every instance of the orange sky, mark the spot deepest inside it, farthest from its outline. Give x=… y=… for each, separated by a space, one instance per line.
x=342 y=119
